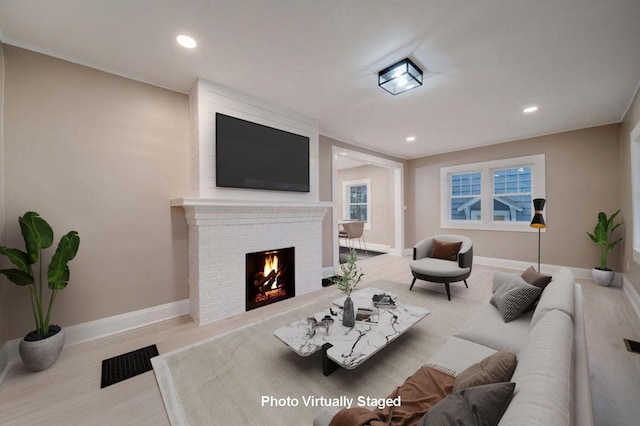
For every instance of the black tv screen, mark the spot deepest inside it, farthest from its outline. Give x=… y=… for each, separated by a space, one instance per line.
x=250 y=155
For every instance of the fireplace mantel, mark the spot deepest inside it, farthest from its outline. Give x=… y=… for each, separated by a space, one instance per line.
x=216 y=202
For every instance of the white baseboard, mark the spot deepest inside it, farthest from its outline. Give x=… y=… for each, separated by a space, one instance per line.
x=632 y=295
x=521 y=266
x=91 y=330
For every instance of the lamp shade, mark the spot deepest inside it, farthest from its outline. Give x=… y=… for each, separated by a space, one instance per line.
x=538 y=219
x=400 y=77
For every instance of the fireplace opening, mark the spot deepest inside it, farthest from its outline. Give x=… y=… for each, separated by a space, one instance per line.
x=270 y=277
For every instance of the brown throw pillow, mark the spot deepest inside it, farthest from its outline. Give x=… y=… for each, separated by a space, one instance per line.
x=446 y=251
x=534 y=277
x=495 y=368
x=479 y=405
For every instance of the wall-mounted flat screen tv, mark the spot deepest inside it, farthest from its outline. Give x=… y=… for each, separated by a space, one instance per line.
x=250 y=155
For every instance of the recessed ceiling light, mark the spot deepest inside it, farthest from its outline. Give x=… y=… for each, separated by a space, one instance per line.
x=530 y=109
x=411 y=138
x=186 y=41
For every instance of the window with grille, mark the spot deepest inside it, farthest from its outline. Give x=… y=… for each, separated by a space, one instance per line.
x=466 y=191
x=357 y=201
x=492 y=195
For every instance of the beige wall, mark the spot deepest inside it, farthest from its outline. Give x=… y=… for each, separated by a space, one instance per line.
x=631 y=119
x=582 y=178
x=103 y=155
x=381 y=215
x=4 y=320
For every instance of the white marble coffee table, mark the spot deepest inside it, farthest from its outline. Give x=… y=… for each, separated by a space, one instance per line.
x=348 y=347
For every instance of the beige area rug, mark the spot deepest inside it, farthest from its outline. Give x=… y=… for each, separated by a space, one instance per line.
x=222 y=381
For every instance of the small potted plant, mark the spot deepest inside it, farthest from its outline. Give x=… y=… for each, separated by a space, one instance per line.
x=40 y=348
x=602 y=237
x=346 y=283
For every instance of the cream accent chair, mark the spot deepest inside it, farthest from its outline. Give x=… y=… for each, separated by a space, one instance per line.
x=426 y=268
x=353 y=231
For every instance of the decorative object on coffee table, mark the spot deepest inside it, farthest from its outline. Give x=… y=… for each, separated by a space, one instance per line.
x=602 y=237
x=41 y=347
x=538 y=221
x=346 y=283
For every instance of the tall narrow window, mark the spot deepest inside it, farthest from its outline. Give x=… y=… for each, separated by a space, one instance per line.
x=357 y=201
x=466 y=191
x=512 y=194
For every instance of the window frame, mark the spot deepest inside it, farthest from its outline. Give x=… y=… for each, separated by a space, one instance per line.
x=346 y=199
x=635 y=189
x=487 y=168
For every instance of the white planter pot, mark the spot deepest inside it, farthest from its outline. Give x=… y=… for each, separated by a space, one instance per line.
x=39 y=355
x=603 y=277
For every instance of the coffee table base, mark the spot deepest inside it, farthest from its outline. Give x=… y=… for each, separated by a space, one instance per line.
x=328 y=365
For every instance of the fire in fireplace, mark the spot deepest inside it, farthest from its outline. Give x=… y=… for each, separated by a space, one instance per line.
x=270 y=277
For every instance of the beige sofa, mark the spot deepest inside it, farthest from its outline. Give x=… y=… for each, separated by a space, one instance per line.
x=552 y=373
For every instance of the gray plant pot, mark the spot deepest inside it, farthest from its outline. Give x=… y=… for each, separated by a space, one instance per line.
x=603 y=277
x=41 y=354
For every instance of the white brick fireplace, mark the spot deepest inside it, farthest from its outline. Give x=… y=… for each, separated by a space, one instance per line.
x=222 y=233
x=225 y=223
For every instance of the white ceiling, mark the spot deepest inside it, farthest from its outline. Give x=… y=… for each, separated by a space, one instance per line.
x=578 y=60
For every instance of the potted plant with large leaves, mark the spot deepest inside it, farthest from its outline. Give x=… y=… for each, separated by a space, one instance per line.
x=602 y=237
x=40 y=348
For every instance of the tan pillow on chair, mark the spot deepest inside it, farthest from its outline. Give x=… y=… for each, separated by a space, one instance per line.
x=446 y=251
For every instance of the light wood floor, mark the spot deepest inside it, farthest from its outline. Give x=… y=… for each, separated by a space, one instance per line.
x=69 y=392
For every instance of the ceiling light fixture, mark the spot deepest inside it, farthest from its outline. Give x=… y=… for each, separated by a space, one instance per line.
x=400 y=77
x=530 y=109
x=411 y=138
x=186 y=41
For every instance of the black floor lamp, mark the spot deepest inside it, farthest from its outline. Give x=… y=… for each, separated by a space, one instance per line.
x=538 y=221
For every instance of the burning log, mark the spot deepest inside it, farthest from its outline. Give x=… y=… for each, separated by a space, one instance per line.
x=260 y=281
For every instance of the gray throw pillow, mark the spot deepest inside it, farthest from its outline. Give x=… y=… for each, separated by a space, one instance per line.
x=514 y=297
x=479 y=405
x=534 y=277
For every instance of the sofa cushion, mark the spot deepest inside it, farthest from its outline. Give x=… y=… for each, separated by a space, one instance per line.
x=478 y=405
x=437 y=267
x=559 y=294
x=456 y=355
x=492 y=369
x=543 y=375
x=514 y=297
x=487 y=328
x=445 y=251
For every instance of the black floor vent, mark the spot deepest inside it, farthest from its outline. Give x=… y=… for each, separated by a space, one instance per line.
x=326 y=282
x=127 y=365
x=632 y=346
